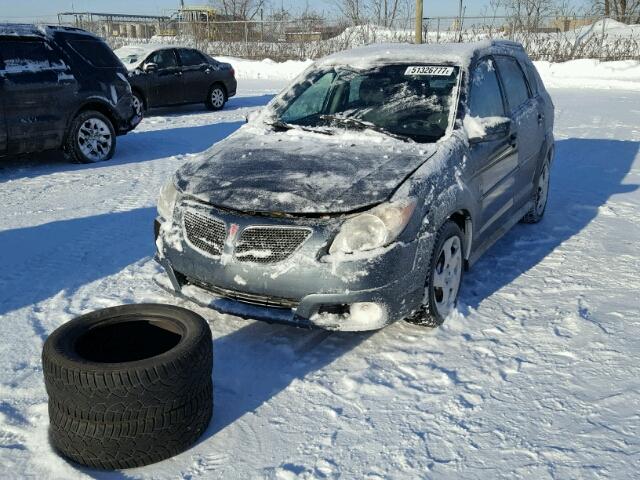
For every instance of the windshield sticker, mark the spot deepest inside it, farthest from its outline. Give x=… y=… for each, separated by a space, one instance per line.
x=431 y=70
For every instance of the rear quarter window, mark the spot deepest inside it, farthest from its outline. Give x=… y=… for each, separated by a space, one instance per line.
x=95 y=52
x=20 y=56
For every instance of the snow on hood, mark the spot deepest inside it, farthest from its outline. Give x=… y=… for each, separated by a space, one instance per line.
x=301 y=172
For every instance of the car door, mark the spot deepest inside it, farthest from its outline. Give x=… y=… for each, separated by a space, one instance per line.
x=197 y=75
x=3 y=123
x=165 y=79
x=528 y=120
x=493 y=155
x=36 y=85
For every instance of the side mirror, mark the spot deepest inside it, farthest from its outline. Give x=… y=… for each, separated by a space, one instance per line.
x=150 y=67
x=251 y=116
x=480 y=129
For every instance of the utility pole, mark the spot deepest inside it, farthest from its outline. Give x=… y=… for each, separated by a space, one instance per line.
x=418 y=21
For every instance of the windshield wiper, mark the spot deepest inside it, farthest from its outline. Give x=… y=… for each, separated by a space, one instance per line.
x=364 y=125
x=279 y=125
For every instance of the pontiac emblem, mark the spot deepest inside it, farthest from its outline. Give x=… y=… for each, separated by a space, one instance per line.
x=233 y=230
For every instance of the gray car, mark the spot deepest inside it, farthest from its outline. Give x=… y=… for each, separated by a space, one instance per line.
x=359 y=195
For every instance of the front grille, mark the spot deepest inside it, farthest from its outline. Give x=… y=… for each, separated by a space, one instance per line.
x=252 y=298
x=269 y=244
x=205 y=233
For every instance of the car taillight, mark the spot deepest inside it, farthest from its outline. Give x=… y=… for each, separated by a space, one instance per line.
x=233 y=72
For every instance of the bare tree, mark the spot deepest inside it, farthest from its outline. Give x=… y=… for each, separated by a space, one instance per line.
x=627 y=11
x=239 y=9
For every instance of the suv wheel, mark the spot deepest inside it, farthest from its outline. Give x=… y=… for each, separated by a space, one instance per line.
x=91 y=138
x=138 y=104
x=217 y=98
x=540 y=197
x=444 y=279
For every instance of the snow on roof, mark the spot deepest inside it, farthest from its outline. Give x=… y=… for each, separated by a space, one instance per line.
x=29 y=30
x=362 y=57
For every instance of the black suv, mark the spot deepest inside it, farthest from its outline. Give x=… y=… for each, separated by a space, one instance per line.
x=164 y=75
x=61 y=87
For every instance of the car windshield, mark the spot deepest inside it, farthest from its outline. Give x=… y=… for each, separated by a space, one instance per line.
x=407 y=101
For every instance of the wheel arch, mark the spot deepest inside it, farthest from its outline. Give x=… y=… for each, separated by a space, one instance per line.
x=98 y=106
x=462 y=218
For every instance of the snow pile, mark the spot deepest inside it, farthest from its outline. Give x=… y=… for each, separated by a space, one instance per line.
x=266 y=69
x=591 y=74
x=623 y=75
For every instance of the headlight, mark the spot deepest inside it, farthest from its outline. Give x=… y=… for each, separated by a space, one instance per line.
x=373 y=229
x=167 y=200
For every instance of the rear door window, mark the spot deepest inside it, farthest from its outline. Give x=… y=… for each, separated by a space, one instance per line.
x=190 y=57
x=514 y=81
x=22 y=56
x=95 y=52
x=485 y=96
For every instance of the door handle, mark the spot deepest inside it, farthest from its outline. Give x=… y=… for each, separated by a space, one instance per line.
x=178 y=73
x=207 y=71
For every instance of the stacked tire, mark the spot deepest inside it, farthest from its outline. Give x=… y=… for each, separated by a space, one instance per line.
x=129 y=385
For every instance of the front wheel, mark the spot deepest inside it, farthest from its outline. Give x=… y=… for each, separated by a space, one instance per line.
x=138 y=104
x=444 y=278
x=217 y=98
x=91 y=138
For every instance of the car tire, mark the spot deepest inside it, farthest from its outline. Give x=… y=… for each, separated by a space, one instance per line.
x=91 y=138
x=540 y=195
x=216 y=98
x=128 y=379
x=444 y=277
x=138 y=104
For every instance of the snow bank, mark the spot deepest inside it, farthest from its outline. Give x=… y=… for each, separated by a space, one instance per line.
x=591 y=74
x=623 y=75
x=266 y=69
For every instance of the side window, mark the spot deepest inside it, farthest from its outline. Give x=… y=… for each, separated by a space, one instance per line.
x=514 y=81
x=485 y=98
x=311 y=101
x=96 y=52
x=164 y=59
x=29 y=56
x=190 y=57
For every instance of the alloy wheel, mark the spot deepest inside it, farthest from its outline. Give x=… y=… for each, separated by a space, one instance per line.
x=95 y=139
x=447 y=276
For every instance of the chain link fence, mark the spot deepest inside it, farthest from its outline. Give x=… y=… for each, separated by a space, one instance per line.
x=557 y=38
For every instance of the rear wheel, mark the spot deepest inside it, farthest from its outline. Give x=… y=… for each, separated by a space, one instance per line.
x=540 y=196
x=444 y=279
x=91 y=138
x=217 y=98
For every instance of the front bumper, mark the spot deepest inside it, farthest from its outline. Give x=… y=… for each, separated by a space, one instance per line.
x=305 y=290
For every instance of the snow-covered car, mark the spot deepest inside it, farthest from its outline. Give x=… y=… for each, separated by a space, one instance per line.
x=165 y=75
x=359 y=195
x=61 y=87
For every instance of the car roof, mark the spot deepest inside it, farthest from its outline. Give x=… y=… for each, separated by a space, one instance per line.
x=459 y=54
x=38 y=31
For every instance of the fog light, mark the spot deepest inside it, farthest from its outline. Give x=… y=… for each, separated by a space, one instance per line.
x=368 y=313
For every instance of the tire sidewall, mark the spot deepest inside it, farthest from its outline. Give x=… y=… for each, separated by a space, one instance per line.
x=74 y=149
x=210 y=104
x=448 y=230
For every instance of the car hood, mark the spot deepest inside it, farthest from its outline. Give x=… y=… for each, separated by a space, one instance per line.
x=298 y=172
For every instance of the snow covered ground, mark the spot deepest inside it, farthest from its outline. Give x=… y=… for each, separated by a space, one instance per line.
x=537 y=375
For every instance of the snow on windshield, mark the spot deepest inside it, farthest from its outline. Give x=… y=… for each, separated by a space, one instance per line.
x=408 y=101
